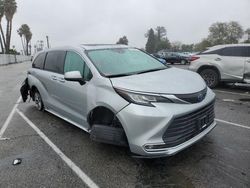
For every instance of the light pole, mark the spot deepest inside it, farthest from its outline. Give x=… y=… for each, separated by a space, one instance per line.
x=14 y=51
x=47 y=37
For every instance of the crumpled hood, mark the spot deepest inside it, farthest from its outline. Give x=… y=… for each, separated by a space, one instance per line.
x=167 y=81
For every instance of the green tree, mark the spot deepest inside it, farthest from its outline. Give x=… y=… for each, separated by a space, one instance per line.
x=225 y=33
x=161 y=32
x=176 y=46
x=2 y=38
x=162 y=44
x=10 y=8
x=187 y=47
x=24 y=31
x=235 y=32
x=123 y=40
x=203 y=45
x=217 y=33
x=247 y=32
x=20 y=33
x=157 y=40
x=151 y=43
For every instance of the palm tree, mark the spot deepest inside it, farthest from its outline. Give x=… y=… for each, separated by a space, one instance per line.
x=248 y=34
x=9 y=11
x=2 y=38
x=24 y=31
x=20 y=33
x=28 y=37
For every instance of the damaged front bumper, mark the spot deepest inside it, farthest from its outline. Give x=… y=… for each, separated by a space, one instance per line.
x=24 y=90
x=146 y=127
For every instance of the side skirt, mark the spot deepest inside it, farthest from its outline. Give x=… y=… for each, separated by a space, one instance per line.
x=68 y=120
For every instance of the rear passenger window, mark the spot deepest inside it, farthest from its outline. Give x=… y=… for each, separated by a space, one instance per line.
x=247 y=51
x=39 y=61
x=74 y=62
x=55 y=61
x=239 y=51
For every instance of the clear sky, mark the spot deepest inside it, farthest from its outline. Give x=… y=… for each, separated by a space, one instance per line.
x=69 y=22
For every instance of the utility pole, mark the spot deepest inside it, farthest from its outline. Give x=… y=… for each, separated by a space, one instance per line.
x=35 y=49
x=47 y=37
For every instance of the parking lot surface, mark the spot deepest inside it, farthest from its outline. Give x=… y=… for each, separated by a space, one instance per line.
x=61 y=155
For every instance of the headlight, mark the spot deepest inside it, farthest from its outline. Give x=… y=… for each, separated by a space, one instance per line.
x=142 y=99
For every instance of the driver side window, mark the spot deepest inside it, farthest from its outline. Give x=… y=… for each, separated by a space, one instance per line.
x=74 y=62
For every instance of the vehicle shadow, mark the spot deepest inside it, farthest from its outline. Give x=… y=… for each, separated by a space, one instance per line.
x=173 y=171
x=234 y=87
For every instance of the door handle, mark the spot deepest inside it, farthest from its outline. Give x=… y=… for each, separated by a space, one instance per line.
x=62 y=80
x=248 y=61
x=218 y=59
x=53 y=78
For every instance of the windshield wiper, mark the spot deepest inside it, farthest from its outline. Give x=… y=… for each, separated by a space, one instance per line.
x=117 y=75
x=133 y=73
x=150 y=70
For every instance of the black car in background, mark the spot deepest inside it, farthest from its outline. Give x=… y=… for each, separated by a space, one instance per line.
x=175 y=57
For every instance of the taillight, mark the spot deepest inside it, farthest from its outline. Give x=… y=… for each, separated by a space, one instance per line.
x=193 y=58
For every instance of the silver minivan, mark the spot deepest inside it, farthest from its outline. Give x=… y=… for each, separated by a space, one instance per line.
x=124 y=96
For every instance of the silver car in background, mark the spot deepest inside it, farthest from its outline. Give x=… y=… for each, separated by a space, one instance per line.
x=123 y=96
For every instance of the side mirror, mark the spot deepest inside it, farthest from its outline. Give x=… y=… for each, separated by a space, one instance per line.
x=74 y=76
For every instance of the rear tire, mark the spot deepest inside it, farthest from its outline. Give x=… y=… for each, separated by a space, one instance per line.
x=211 y=77
x=38 y=101
x=183 y=62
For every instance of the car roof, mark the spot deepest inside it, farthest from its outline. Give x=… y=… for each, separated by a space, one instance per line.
x=102 y=46
x=84 y=47
x=228 y=45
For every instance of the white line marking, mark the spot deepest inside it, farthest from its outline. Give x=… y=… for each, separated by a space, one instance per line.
x=7 y=121
x=231 y=123
x=67 y=160
x=229 y=92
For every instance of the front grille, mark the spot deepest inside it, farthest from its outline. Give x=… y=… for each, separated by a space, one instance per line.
x=193 y=97
x=186 y=127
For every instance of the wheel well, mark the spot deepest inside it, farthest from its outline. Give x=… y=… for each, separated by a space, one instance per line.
x=209 y=67
x=104 y=116
x=106 y=127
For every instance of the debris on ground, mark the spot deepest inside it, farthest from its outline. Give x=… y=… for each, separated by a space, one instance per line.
x=17 y=161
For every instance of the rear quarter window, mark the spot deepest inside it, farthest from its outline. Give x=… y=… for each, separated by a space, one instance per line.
x=39 y=61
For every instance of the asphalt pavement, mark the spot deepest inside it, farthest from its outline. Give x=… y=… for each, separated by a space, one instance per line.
x=61 y=155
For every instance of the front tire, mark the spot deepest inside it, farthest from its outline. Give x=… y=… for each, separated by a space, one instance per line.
x=38 y=101
x=211 y=77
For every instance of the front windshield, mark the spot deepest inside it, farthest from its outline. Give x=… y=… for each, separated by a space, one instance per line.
x=123 y=61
